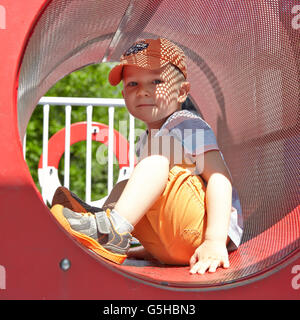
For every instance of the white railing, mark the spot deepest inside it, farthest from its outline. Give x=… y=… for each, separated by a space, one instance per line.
x=89 y=103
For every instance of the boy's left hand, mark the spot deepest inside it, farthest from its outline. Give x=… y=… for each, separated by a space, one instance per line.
x=210 y=255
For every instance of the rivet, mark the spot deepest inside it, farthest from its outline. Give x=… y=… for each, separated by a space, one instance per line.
x=65 y=264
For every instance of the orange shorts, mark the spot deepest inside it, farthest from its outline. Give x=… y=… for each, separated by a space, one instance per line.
x=174 y=226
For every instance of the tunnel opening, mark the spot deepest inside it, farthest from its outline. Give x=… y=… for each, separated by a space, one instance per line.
x=243 y=64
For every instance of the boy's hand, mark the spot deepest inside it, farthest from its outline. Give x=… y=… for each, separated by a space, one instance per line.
x=210 y=255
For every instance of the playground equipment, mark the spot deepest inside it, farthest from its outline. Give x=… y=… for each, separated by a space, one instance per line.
x=48 y=176
x=243 y=62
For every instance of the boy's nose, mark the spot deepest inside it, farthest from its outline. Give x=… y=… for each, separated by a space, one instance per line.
x=143 y=91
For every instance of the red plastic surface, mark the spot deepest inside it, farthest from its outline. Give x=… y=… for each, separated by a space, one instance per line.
x=33 y=244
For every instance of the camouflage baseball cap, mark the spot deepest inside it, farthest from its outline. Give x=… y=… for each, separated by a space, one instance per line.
x=150 y=54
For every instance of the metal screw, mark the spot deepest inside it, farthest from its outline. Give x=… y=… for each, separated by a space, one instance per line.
x=65 y=264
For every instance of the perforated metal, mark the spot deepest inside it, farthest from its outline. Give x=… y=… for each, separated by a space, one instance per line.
x=243 y=65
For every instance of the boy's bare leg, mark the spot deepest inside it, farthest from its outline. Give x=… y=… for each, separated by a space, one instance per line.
x=132 y=197
x=147 y=182
x=143 y=186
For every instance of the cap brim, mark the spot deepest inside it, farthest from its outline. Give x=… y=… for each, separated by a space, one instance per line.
x=115 y=75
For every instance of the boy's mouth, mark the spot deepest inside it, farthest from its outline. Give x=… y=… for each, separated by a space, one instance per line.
x=145 y=105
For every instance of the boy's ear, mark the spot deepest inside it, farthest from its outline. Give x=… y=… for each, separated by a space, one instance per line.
x=183 y=91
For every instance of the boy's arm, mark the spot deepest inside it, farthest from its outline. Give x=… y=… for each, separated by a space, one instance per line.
x=212 y=253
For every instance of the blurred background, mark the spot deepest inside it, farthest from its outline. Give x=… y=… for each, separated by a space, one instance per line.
x=90 y=82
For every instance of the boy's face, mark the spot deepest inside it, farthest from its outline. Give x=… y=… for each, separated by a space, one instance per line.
x=153 y=95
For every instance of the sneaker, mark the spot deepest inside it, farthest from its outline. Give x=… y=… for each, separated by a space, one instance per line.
x=82 y=222
x=97 y=232
x=70 y=200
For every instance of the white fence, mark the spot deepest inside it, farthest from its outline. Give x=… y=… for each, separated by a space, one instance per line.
x=49 y=184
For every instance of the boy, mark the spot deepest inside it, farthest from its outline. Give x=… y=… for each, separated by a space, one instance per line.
x=181 y=212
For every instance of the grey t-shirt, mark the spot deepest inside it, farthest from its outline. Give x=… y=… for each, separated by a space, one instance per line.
x=196 y=137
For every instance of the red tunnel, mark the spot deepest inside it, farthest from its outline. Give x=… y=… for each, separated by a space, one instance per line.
x=243 y=62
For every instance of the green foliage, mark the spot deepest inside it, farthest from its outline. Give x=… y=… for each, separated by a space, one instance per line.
x=90 y=81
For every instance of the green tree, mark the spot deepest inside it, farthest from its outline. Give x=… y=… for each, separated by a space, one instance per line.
x=90 y=81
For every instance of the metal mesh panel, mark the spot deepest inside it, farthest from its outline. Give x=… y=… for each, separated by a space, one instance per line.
x=68 y=36
x=243 y=65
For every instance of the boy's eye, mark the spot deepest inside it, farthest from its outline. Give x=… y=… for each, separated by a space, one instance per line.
x=157 y=81
x=131 y=84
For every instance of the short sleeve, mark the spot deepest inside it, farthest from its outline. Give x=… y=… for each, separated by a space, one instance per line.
x=195 y=135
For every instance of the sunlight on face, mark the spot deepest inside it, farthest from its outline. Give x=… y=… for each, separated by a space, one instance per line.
x=153 y=95
x=167 y=92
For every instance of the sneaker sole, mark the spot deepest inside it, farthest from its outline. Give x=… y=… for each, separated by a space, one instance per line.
x=57 y=211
